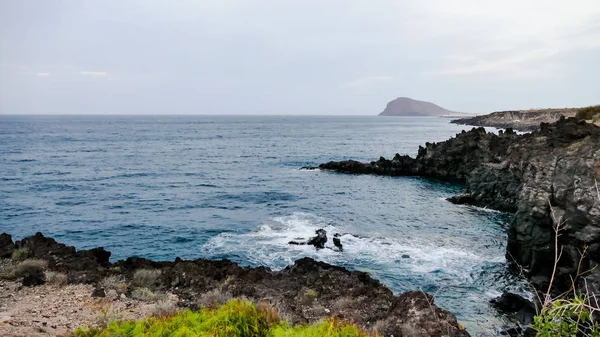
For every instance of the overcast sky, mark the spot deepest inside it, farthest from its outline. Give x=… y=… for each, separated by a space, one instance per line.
x=295 y=57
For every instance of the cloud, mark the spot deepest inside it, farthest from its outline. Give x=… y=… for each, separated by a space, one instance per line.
x=368 y=81
x=93 y=73
x=42 y=74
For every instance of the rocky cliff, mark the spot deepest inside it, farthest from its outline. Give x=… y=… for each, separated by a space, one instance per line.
x=304 y=292
x=546 y=177
x=524 y=120
x=404 y=106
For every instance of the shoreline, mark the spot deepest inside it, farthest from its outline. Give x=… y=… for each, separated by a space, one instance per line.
x=304 y=292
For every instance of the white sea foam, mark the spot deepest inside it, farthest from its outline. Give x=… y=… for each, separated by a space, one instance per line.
x=440 y=256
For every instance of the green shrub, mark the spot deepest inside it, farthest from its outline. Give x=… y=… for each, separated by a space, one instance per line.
x=566 y=317
x=20 y=254
x=588 y=112
x=233 y=319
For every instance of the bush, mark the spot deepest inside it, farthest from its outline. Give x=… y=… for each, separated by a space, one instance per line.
x=310 y=296
x=214 y=297
x=143 y=294
x=164 y=309
x=588 y=112
x=114 y=282
x=146 y=277
x=566 y=317
x=30 y=267
x=20 y=254
x=59 y=279
x=233 y=319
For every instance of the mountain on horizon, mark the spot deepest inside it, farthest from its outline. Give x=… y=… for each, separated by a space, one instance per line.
x=404 y=106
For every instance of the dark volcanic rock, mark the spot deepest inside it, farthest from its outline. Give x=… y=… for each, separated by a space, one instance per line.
x=81 y=266
x=546 y=177
x=6 y=245
x=515 y=306
x=320 y=240
x=351 y=295
x=337 y=242
x=98 y=292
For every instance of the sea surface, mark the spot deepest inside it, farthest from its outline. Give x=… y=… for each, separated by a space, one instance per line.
x=231 y=187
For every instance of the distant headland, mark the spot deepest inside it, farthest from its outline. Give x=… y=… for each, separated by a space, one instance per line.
x=404 y=106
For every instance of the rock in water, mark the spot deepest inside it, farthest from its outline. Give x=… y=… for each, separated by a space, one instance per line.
x=337 y=242
x=515 y=306
x=319 y=240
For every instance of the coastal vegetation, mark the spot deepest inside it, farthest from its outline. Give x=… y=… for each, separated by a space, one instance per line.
x=234 y=318
x=589 y=113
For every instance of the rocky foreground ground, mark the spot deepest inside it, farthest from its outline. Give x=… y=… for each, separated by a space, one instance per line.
x=92 y=291
x=548 y=178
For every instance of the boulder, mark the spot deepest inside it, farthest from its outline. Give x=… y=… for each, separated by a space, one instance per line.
x=320 y=240
x=6 y=245
x=34 y=277
x=337 y=242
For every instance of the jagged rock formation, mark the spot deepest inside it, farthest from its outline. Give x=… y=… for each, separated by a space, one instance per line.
x=546 y=177
x=304 y=292
x=524 y=120
x=404 y=106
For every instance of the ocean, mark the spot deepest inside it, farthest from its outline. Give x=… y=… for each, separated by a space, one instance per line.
x=231 y=187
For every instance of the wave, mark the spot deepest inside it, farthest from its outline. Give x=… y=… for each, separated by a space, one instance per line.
x=438 y=256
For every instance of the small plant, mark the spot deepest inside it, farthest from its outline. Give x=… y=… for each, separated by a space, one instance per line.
x=59 y=279
x=106 y=316
x=163 y=309
x=31 y=266
x=114 y=282
x=20 y=254
x=214 y=297
x=588 y=112
x=143 y=294
x=146 y=277
x=310 y=296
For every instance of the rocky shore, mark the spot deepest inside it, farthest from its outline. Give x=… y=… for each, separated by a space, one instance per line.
x=547 y=178
x=522 y=120
x=304 y=292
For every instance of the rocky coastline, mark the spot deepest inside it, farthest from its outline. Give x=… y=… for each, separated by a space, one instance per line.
x=304 y=292
x=522 y=120
x=547 y=178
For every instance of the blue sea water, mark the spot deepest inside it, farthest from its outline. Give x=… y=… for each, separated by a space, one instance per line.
x=231 y=187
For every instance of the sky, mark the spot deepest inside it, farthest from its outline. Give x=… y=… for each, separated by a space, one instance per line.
x=336 y=57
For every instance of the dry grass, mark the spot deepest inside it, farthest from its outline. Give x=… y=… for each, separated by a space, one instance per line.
x=114 y=282
x=163 y=308
x=147 y=278
x=30 y=266
x=214 y=297
x=106 y=315
x=59 y=279
x=143 y=294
